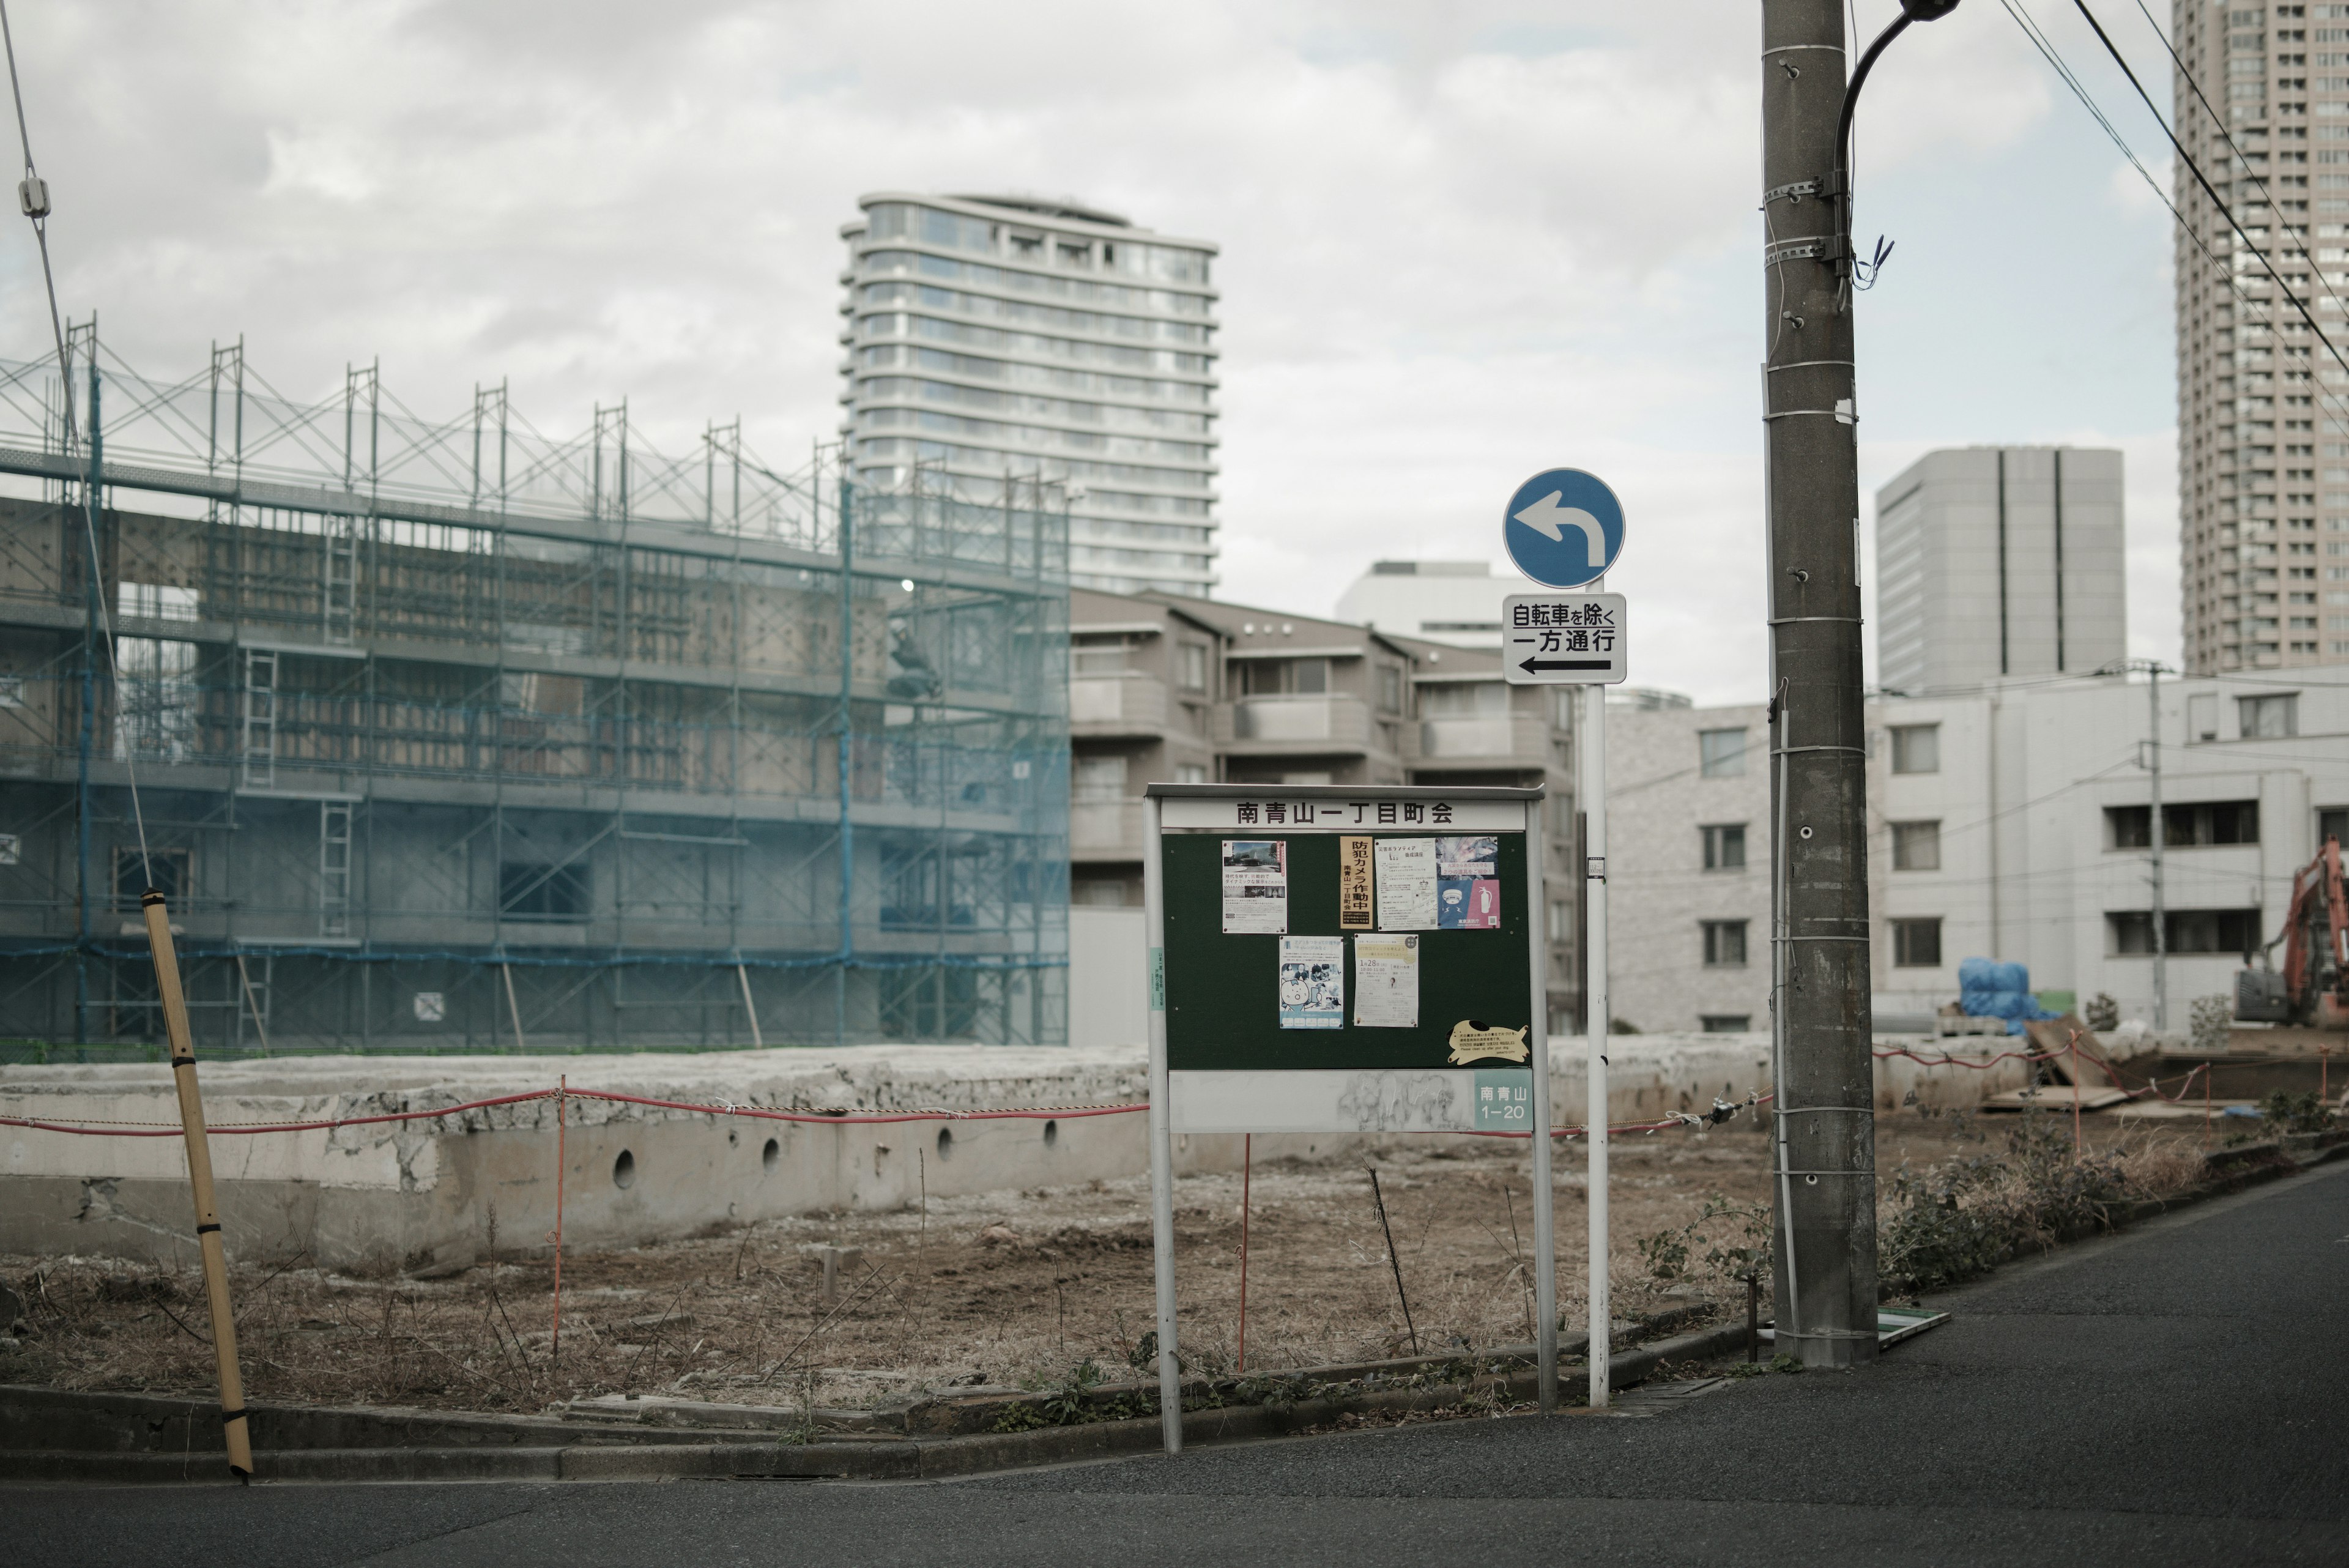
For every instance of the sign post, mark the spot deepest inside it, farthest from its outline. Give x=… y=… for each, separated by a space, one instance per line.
x=1564 y=528
x=1335 y=960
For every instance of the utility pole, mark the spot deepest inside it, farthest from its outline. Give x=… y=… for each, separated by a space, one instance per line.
x=1823 y=1242
x=2156 y=830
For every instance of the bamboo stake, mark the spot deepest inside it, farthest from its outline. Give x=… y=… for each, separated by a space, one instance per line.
x=513 y=1009
x=1393 y=1261
x=1247 y=1169
x=200 y=1180
x=562 y=1094
x=253 y=1004
x=742 y=973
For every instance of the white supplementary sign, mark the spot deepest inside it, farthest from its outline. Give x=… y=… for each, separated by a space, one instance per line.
x=1563 y=640
x=1275 y=812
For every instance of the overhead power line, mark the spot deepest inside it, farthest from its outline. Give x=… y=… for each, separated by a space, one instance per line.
x=2200 y=179
x=2046 y=46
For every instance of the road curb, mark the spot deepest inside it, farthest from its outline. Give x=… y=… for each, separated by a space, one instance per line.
x=904 y=1458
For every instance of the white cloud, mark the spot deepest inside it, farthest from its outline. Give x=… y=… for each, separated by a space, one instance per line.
x=1460 y=242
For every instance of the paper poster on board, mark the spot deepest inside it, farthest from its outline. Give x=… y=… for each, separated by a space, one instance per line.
x=1255 y=887
x=1406 y=884
x=1386 y=982
x=1468 y=904
x=1478 y=855
x=1355 y=910
x=1312 y=983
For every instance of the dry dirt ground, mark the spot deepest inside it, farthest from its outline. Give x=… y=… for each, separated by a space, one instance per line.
x=1009 y=1287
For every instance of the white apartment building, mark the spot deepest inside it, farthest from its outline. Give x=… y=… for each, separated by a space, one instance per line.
x=1456 y=602
x=2000 y=561
x=1688 y=865
x=996 y=343
x=2010 y=823
x=2263 y=408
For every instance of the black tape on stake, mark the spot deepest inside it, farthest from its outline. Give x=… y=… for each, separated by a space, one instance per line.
x=202 y=1229
x=228 y=1415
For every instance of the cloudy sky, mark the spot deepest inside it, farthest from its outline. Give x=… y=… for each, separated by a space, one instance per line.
x=1460 y=242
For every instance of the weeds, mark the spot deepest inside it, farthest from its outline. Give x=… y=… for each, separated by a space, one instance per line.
x=1725 y=1243
x=2291 y=1113
x=1951 y=1221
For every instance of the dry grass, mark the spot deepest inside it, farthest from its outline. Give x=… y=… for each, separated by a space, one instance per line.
x=1004 y=1287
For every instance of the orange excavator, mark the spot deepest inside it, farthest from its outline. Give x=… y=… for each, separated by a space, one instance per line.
x=2312 y=987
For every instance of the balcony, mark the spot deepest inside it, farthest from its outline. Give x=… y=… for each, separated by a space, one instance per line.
x=1117 y=704
x=1102 y=830
x=1271 y=725
x=1481 y=741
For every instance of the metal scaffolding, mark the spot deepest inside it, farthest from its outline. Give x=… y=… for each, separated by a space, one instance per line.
x=461 y=737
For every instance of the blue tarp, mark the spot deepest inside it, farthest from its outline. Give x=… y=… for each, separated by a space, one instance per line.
x=1989 y=989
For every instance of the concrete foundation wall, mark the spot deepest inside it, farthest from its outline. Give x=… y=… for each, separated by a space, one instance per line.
x=415 y=1194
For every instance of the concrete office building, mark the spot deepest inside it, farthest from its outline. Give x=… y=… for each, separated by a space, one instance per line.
x=1016 y=343
x=1165 y=688
x=1454 y=602
x=2263 y=426
x=2008 y=823
x=2000 y=561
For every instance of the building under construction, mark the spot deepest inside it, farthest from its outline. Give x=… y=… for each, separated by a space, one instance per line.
x=456 y=736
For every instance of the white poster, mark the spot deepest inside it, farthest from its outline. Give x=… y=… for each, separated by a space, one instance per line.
x=1255 y=887
x=1312 y=983
x=1406 y=884
x=1386 y=982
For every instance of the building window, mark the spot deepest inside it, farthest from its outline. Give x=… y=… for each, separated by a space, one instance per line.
x=1462 y=699
x=1284 y=677
x=2187 y=826
x=1190 y=773
x=1917 y=846
x=1917 y=943
x=1561 y=919
x=1097 y=659
x=1191 y=665
x=168 y=870
x=1721 y=753
x=2333 y=823
x=2272 y=718
x=1099 y=779
x=2185 y=931
x=1724 y=1022
x=1389 y=689
x=1724 y=944
x=529 y=890
x=1724 y=846
x=1916 y=748
x=2202 y=718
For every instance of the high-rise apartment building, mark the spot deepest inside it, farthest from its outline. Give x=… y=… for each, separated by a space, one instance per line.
x=2262 y=406
x=996 y=342
x=1995 y=561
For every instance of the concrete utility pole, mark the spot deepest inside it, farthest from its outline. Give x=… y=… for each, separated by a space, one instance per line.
x=1824 y=1245
x=2156 y=830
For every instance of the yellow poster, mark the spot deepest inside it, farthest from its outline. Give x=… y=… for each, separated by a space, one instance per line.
x=1355 y=903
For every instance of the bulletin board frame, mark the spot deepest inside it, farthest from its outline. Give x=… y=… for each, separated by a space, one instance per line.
x=1253 y=893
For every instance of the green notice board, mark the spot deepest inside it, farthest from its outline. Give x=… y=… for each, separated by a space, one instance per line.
x=1223 y=993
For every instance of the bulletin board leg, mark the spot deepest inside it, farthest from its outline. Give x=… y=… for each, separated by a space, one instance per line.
x=1162 y=1136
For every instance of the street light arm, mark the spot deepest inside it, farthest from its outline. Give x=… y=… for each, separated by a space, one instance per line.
x=1851 y=101
x=1910 y=11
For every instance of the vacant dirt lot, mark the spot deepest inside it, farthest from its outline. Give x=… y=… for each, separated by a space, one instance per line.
x=1009 y=1287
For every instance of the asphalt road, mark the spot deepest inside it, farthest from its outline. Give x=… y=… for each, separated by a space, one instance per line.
x=2170 y=1395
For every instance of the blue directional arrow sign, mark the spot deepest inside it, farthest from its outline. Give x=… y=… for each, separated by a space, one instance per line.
x=1563 y=527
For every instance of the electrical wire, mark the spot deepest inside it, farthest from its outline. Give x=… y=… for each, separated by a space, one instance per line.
x=39 y=214
x=2241 y=162
x=2200 y=179
x=2261 y=309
